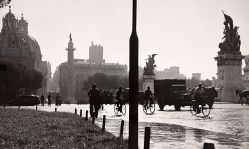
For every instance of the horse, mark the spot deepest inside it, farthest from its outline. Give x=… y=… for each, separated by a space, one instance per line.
x=243 y=95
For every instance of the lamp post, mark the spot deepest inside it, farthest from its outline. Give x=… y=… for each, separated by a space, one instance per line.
x=133 y=83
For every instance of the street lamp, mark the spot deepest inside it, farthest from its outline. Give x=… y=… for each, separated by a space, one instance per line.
x=133 y=83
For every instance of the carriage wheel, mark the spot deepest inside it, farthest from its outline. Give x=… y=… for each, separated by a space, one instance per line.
x=116 y=108
x=123 y=109
x=145 y=108
x=193 y=109
x=205 y=110
x=149 y=108
x=152 y=108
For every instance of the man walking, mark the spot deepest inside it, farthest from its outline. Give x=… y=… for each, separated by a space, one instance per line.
x=94 y=97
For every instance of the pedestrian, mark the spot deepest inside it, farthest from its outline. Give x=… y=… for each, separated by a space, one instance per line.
x=57 y=99
x=49 y=99
x=120 y=98
x=94 y=96
x=42 y=100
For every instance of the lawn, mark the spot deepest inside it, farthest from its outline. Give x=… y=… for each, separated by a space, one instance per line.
x=37 y=129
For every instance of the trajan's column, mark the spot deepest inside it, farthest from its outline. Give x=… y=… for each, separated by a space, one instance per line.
x=229 y=62
x=70 y=81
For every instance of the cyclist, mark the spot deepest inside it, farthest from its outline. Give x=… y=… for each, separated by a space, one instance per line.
x=148 y=96
x=199 y=95
x=119 y=98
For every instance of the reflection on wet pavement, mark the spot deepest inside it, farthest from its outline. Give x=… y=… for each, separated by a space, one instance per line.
x=226 y=127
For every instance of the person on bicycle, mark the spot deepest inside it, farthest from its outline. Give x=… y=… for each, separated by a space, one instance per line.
x=119 y=98
x=199 y=95
x=148 y=96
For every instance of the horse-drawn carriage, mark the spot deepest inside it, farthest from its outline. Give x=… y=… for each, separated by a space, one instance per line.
x=173 y=92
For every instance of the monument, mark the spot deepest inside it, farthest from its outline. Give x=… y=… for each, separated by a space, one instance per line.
x=148 y=74
x=70 y=65
x=246 y=73
x=229 y=61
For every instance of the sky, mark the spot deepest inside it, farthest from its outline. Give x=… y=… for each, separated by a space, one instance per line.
x=183 y=33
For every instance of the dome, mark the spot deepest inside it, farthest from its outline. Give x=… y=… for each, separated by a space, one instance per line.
x=26 y=44
x=14 y=38
x=10 y=15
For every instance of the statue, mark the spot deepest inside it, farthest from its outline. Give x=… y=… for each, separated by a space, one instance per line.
x=150 y=65
x=228 y=21
x=70 y=37
x=231 y=38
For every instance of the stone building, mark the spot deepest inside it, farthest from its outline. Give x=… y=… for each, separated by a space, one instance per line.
x=82 y=69
x=196 y=76
x=245 y=77
x=17 y=46
x=96 y=53
x=170 y=73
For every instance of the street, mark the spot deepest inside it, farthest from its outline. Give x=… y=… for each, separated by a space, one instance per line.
x=226 y=126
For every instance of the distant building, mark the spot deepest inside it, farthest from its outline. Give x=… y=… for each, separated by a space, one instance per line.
x=17 y=46
x=83 y=68
x=170 y=73
x=96 y=53
x=245 y=77
x=196 y=76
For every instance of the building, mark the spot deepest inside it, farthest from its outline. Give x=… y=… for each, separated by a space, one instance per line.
x=82 y=69
x=96 y=54
x=196 y=76
x=170 y=73
x=17 y=46
x=245 y=77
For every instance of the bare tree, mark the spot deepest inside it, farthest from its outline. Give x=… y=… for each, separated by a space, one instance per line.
x=4 y=3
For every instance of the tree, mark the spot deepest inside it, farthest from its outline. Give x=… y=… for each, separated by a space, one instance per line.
x=10 y=80
x=33 y=79
x=4 y=3
x=18 y=76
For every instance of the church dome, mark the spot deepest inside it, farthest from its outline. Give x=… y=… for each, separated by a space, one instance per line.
x=14 y=38
x=10 y=15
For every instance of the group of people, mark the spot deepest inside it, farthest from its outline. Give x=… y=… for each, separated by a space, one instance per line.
x=43 y=99
x=57 y=99
x=95 y=103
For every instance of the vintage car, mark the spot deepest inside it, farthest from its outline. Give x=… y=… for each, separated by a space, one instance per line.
x=24 y=100
x=173 y=92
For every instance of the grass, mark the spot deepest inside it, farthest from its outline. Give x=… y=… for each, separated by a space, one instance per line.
x=37 y=129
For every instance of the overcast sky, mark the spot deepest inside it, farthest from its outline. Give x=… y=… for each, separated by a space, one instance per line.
x=183 y=33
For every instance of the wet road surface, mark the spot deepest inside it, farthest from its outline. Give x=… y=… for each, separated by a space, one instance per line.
x=227 y=126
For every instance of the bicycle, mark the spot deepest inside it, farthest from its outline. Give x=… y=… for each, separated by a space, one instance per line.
x=149 y=107
x=119 y=110
x=204 y=108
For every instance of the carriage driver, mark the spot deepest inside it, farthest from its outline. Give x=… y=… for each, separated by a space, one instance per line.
x=119 y=98
x=199 y=96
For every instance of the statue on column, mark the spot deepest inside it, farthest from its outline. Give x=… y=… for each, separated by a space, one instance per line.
x=70 y=37
x=231 y=37
x=150 y=65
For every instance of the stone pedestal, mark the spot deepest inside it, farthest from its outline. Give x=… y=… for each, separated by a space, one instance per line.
x=229 y=76
x=148 y=80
